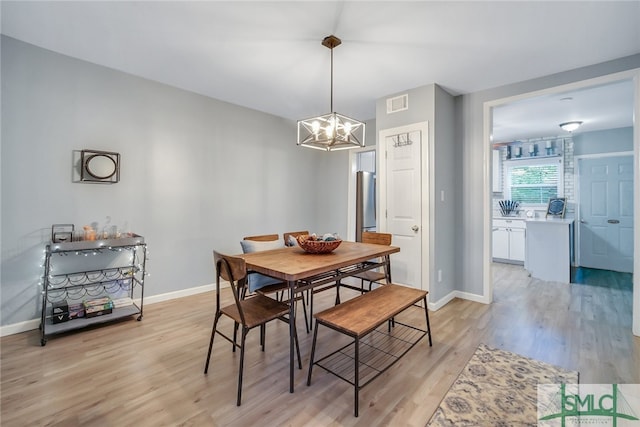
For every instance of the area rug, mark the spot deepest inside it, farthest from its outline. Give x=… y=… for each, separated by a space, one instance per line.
x=497 y=388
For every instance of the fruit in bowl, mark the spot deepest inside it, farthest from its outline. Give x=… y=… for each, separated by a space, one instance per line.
x=319 y=245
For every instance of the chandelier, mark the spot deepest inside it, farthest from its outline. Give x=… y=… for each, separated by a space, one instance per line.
x=332 y=131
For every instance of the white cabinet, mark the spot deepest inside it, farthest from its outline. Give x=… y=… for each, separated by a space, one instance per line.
x=508 y=240
x=549 y=248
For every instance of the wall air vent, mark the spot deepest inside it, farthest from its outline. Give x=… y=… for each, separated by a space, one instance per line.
x=398 y=103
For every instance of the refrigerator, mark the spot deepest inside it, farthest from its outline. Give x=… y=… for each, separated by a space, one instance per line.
x=365 y=203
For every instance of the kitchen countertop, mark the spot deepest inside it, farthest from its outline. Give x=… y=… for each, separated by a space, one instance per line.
x=551 y=220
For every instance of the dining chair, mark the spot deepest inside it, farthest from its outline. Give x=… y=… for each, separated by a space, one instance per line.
x=266 y=285
x=291 y=236
x=250 y=312
x=373 y=276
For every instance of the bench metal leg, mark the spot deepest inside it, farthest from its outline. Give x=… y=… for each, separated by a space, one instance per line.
x=356 y=380
x=426 y=314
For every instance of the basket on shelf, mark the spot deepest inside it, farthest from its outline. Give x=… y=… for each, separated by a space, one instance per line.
x=317 y=246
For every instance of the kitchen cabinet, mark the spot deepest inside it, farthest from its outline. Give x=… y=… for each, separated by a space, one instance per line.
x=508 y=240
x=550 y=248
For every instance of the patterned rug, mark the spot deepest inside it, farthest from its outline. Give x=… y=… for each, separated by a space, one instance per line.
x=497 y=388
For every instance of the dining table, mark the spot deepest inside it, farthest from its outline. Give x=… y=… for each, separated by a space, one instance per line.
x=299 y=269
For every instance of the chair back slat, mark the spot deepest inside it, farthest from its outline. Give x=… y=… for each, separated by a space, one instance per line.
x=262 y=238
x=234 y=270
x=376 y=238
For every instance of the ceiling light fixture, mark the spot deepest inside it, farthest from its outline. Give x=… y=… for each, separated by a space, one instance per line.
x=570 y=126
x=333 y=131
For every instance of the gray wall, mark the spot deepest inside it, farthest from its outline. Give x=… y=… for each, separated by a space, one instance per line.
x=603 y=141
x=446 y=172
x=469 y=112
x=433 y=104
x=197 y=173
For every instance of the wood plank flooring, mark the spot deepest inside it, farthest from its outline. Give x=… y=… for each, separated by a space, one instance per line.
x=150 y=373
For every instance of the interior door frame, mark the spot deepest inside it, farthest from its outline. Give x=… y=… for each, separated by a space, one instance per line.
x=634 y=76
x=576 y=185
x=425 y=191
x=351 y=190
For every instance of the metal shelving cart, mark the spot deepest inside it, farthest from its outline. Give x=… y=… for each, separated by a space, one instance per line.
x=82 y=270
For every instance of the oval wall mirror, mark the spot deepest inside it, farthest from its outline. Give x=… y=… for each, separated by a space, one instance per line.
x=100 y=166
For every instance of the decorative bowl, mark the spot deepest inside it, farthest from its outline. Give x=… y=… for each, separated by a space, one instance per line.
x=317 y=246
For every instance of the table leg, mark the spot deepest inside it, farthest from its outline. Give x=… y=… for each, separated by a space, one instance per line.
x=387 y=268
x=292 y=331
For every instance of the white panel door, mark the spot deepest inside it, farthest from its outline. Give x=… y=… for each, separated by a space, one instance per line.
x=606 y=213
x=403 y=191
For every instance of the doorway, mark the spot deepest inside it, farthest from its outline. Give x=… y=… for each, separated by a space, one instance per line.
x=634 y=77
x=403 y=175
x=360 y=160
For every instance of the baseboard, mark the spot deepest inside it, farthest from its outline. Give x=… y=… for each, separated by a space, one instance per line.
x=32 y=324
x=16 y=328
x=473 y=297
x=179 y=294
x=436 y=305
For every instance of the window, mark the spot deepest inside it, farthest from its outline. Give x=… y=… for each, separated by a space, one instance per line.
x=534 y=181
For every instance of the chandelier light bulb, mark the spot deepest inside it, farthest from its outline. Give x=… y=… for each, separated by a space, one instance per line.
x=329 y=130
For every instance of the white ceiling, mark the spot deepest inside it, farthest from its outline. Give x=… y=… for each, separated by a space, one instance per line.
x=267 y=55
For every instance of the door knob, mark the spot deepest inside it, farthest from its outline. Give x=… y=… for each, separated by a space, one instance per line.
x=415 y=228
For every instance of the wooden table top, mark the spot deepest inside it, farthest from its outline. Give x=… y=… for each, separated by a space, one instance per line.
x=293 y=263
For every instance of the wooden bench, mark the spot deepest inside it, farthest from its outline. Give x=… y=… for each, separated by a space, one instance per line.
x=360 y=318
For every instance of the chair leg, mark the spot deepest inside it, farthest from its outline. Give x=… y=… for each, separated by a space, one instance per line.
x=295 y=337
x=313 y=352
x=213 y=334
x=235 y=335
x=311 y=310
x=304 y=310
x=242 y=342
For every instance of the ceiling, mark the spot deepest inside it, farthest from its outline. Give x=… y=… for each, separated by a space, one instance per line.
x=268 y=55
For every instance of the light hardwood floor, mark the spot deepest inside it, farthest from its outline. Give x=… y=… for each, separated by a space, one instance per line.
x=150 y=373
